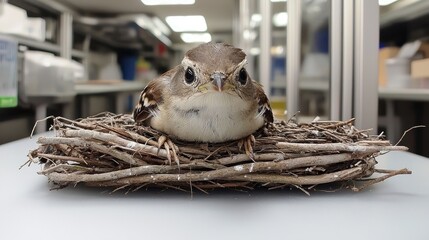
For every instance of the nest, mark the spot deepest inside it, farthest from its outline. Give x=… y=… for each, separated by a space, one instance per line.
x=110 y=150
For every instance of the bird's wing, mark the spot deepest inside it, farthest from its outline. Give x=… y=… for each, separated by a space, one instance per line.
x=150 y=98
x=264 y=108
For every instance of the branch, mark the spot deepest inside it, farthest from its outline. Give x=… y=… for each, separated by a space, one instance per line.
x=337 y=147
x=260 y=178
x=78 y=142
x=201 y=176
x=302 y=180
x=389 y=174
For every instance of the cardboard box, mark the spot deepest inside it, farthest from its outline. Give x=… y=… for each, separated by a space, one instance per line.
x=420 y=68
x=424 y=49
x=384 y=54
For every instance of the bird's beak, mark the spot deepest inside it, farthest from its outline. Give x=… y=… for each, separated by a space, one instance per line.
x=218 y=80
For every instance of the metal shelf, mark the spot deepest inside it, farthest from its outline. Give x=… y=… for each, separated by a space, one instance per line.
x=314 y=84
x=99 y=37
x=406 y=12
x=53 y=7
x=78 y=54
x=410 y=94
x=32 y=43
x=39 y=45
x=307 y=83
x=48 y=5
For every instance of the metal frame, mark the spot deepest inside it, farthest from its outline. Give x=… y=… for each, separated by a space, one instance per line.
x=366 y=64
x=354 y=48
x=265 y=40
x=243 y=26
x=404 y=11
x=293 y=46
x=336 y=48
x=66 y=34
x=53 y=5
x=236 y=24
x=347 y=64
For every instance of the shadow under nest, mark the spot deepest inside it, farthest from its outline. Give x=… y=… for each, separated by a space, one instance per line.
x=110 y=150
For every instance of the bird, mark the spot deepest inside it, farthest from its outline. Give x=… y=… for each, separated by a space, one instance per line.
x=209 y=97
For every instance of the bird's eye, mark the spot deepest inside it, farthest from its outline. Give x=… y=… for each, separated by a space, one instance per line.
x=189 y=75
x=242 y=76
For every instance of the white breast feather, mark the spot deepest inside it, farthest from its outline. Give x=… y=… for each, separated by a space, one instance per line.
x=221 y=117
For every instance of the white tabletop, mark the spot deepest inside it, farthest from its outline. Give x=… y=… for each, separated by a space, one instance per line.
x=395 y=209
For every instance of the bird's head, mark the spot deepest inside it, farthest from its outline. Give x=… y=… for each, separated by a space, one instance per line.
x=213 y=68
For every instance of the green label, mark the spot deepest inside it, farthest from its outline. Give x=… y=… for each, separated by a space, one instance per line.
x=8 y=102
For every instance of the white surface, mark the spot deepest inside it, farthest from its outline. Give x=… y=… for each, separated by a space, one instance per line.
x=395 y=209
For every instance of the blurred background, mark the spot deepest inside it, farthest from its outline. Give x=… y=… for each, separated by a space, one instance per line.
x=331 y=59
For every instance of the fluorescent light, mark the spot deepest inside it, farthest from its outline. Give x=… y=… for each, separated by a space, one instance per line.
x=255 y=51
x=255 y=20
x=196 y=37
x=161 y=26
x=385 y=2
x=249 y=35
x=168 y=2
x=278 y=0
x=256 y=17
x=196 y=23
x=144 y=21
x=280 y=19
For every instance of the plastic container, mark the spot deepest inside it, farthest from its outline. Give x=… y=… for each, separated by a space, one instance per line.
x=8 y=72
x=36 y=28
x=13 y=20
x=127 y=62
x=46 y=75
x=398 y=72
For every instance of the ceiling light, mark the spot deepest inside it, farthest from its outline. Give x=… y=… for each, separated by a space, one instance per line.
x=168 y=2
x=161 y=26
x=196 y=37
x=249 y=35
x=385 y=2
x=144 y=21
x=256 y=17
x=280 y=19
x=255 y=51
x=278 y=0
x=255 y=20
x=195 y=23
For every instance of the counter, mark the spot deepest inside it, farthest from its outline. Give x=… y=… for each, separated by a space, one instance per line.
x=395 y=209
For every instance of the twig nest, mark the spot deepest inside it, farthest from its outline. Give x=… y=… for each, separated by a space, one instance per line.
x=109 y=150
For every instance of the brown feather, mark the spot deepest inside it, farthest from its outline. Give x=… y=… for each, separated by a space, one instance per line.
x=151 y=97
x=215 y=56
x=263 y=103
